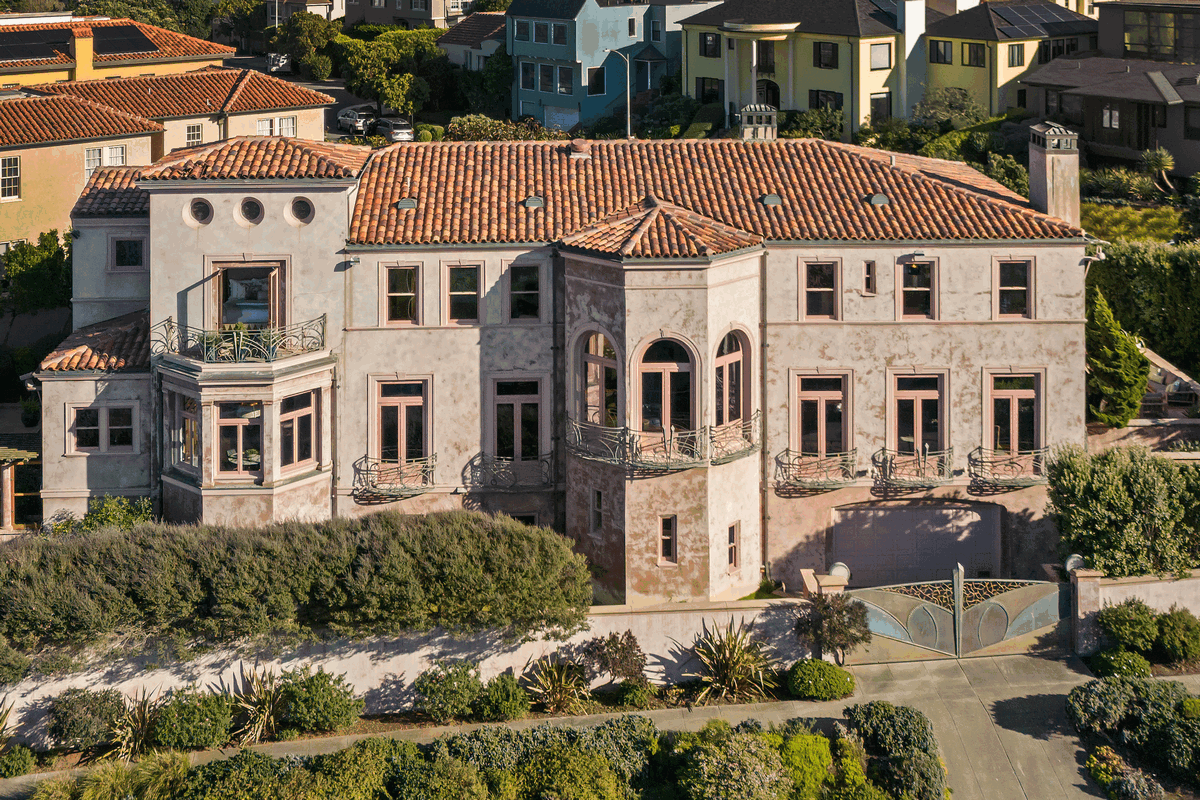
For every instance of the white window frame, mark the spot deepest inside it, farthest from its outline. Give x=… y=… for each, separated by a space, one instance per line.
x=10 y=179
x=104 y=448
x=289 y=123
x=269 y=123
x=115 y=155
x=93 y=159
x=198 y=130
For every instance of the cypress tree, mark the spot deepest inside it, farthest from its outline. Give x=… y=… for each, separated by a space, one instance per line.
x=1117 y=370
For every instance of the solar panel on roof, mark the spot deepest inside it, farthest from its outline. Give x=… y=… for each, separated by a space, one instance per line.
x=116 y=39
x=25 y=46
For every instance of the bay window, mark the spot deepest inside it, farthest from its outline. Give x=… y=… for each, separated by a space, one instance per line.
x=297 y=430
x=239 y=439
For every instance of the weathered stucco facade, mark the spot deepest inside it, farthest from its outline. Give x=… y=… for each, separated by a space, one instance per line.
x=696 y=402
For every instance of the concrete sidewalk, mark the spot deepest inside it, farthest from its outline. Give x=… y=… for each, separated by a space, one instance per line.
x=1001 y=723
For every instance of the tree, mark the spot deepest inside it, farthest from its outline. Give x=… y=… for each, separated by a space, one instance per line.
x=1008 y=172
x=38 y=276
x=834 y=623
x=1158 y=163
x=1123 y=510
x=1117 y=370
x=497 y=76
x=241 y=20
x=371 y=71
x=948 y=108
x=491 y=6
x=303 y=35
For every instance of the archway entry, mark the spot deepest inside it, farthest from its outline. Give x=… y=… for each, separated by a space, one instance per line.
x=768 y=93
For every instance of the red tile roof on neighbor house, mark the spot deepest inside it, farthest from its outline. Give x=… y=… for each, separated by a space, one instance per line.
x=113 y=192
x=653 y=229
x=114 y=345
x=171 y=46
x=260 y=158
x=210 y=90
x=475 y=192
x=39 y=120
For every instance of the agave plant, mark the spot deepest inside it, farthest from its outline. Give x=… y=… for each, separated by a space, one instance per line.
x=5 y=735
x=161 y=776
x=558 y=685
x=131 y=733
x=258 y=702
x=1159 y=162
x=733 y=664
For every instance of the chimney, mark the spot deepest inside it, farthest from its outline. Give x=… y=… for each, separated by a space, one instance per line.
x=910 y=16
x=81 y=51
x=1054 y=171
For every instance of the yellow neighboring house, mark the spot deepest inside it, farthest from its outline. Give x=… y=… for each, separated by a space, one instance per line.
x=44 y=48
x=988 y=49
x=49 y=146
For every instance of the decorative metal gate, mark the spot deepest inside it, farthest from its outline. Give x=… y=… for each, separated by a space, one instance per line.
x=961 y=617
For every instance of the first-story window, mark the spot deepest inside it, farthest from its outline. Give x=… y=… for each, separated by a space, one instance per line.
x=821 y=407
x=402 y=421
x=195 y=135
x=566 y=80
x=401 y=292
x=239 y=439
x=881 y=106
x=668 y=550
x=595 y=81
x=129 y=254
x=1191 y=123
x=710 y=90
x=919 y=426
x=10 y=178
x=735 y=536
x=1110 y=114
x=819 y=98
x=546 y=78
x=518 y=420
x=107 y=429
x=1014 y=413
x=528 y=76
x=297 y=430
x=185 y=431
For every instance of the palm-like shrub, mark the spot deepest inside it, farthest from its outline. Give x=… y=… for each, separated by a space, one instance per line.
x=558 y=685
x=258 y=706
x=733 y=664
x=1159 y=162
x=133 y=729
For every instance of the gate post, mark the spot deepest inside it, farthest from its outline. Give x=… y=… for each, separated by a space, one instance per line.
x=956 y=580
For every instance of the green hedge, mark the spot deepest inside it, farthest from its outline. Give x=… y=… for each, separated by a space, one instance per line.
x=971 y=143
x=708 y=118
x=382 y=574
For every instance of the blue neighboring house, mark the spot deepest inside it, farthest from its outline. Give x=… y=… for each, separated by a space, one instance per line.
x=563 y=74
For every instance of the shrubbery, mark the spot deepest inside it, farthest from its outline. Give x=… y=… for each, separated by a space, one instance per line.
x=1129 y=625
x=191 y=720
x=447 y=690
x=813 y=679
x=834 y=624
x=14 y=665
x=1179 y=635
x=480 y=128
x=82 y=719
x=742 y=767
x=502 y=699
x=318 y=702
x=1120 y=662
x=15 y=760
x=904 y=754
x=709 y=118
x=385 y=573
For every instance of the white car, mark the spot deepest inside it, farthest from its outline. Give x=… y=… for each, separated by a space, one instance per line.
x=355 y=120
x=394 y=130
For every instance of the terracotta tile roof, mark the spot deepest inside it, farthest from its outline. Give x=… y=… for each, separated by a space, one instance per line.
x=955 y=172
x=171 y=46
x=114 y=345
x=653 y=229
x=35 y=120
x=260 y=158
x=205 y=91
x=474 y=192
x=113 y=192
x=475 y=29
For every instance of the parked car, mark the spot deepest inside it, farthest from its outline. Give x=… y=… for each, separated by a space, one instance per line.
x=355 y=120
x=394 y=130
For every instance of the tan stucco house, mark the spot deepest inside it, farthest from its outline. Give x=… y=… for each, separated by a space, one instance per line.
x=705 y=361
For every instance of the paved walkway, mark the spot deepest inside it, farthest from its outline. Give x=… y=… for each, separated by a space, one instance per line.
x=1000 y=721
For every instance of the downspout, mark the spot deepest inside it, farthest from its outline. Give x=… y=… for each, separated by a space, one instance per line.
x=994 y=87
x=764 y=456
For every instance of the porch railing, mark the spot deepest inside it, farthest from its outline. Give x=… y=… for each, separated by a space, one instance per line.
x=375 y=478
x=238 y=345
x=733 y=440
x=666 y=450
x=920 y=470
x=1007 y=467
x=669 y=449
x=493 y=472
x=799 y=470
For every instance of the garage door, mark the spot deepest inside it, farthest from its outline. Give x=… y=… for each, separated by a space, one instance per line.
x=561 y=118
x=906 y=544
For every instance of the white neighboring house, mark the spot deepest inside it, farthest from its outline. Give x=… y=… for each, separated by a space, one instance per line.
x=472 y=41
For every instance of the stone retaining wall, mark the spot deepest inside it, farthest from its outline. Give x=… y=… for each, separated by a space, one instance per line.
x=1093 y=591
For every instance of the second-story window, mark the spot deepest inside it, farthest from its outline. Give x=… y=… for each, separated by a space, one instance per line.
x=655 y=30
x=668 y=546
x=825 y=55
x=870 y=278
x=973 y=54
x=401 y=289
x=521 y=30
x=128 y=255
x=528 y=76
x=766 y=56
x=731 y=380
x=559 y=32
x=566 y=80
x=710 y=45
x=541 y=32
x=1014 y=413
x=1110 y=114
x=463 y=300
x=881 y=55
x=633 y=26
x=10 y=178
x=1013 y=289
x=524 y=296
x=595 y=79
x=184 y=419
x=821 y=412
x=1016 y=55
x=546 y=78
x=918 y=291
x=402 y=421
x=598 y=404
x=666 y=377
x=941 y=52
x=919 y=414
x=195 y=135
x=107 y=429
x=820 y=291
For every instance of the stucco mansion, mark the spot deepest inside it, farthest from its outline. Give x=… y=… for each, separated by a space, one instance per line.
x=699 y=359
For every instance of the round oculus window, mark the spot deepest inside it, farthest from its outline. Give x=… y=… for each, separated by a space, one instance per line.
x=252 y=210
x=302 y=209
x=201 y=211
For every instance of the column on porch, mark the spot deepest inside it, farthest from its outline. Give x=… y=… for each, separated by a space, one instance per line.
x=753 y=71
x=8 y=489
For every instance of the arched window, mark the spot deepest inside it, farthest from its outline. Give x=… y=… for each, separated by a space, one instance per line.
x=598 y=400
x=666 y=380
x=732 y=380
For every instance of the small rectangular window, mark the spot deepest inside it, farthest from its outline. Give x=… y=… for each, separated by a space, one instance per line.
x=1191 y=123
x=735 y=536
x=266 y=127
x=93 y=157
x=108 y=429
x=541 y=32
x=710 y=45
x=10 y=177
x=566 y=80
x=87 y=429
x=633 y=26
x=1110 y=115
x=818 y=98
x=655 y=30
x=1016 y=55
x=297 y=430
x=128 y=254
x=917 y=290
x=528 y=76
x=1022 y=98
x=881 y=107
x=941 y=52
x=869 y=281
x=973 y=54
x=464 y=294
x=595 y=78
x=524 y=292
x=668 y=550
x=287 y=126
x=820 y=291
x=546 y=78
x=881 y=55
x=401 y=294
x=521 y=34
x=1044 y=51
x=825 y=55
x=195 y=135
x=560 y=33
x=597 y=510
x=710 y=90
x=114 y=156
x=1012 y=289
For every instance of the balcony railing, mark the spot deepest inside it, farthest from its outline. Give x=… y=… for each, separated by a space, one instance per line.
x=238 y=345
x=921 y=470
x=488 y=471
x=733 y=440
x=596 y=442
x=798 y=470
x=380 y=480
x=666 y=450
x=1006 y=467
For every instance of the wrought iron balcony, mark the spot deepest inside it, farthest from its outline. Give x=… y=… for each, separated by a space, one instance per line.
x=921 y=470
x=733 y=440
x=667 y=450
x=492 y=472
x=1006 y=467
x=798 y=470
x=596 y=442
x=236 y=345
x=378 y=480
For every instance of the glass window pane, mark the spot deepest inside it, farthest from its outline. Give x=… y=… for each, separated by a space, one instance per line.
x=296 y=402
x=464 y=307
x=1014 y=274
x=918 y=276
x=1014 y=301
x=820 y=276
x=506 y=434
x=735 y=390
x=1026 y=424
x=681 y=401
x=120 y=417
x=666 y=351
x=833 y=427
x=414 y=432
x=229 y=448
x=906 y=425
x=925 y=384
x=525 y=306
x=530 y=440
x=120 y=437
x=524 y=279
x=1014 y=383
x=401 y=389
x=509 y=388
x=87 y=418
x=810 y=436
x=287 y=442
x=464 y=279
x=818 y=304
x=652 y=401
x=720 y=395
x=930 y=425
x=610 y=397
x=87 y=438
x=402 y=280
x=1001 y=424
x=820 y=384
x=304 y=438
x=389 y=433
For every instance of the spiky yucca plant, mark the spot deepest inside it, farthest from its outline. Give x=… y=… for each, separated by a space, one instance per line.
x=161 y=776
x=258 y=703
x=1159 y=162
x=558 y=685
x=5 y=735
x=131 y=733
x=733 y=664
